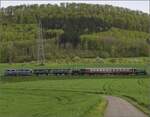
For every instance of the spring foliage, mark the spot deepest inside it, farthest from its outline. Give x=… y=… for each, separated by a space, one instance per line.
x=71 y=30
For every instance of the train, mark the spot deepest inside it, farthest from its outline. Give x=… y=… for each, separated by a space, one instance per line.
x=73 y=71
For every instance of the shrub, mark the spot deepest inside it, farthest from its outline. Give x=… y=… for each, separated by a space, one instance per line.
x=113 y=60
x=76 y=59
x=99 y=60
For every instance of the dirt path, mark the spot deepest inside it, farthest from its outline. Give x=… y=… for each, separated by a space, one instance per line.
x=118 y=107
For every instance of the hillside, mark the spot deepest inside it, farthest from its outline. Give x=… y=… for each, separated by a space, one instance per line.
x=117 y=42
x=73 y=30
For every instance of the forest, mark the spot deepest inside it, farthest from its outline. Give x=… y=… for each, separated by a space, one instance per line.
x=72 y=30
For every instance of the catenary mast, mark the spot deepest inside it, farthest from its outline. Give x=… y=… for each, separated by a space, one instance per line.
x=40 y=44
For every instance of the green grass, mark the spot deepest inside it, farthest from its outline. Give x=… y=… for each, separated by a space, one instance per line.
x=71 y=96
x=79 y=96
x=44 y=103
x=37 y=101
x=98 y=110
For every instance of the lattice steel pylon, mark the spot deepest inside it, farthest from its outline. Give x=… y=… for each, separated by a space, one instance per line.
x=10 y=48
x=40 y=45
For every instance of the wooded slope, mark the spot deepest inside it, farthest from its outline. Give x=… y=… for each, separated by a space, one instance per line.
x=71 y=30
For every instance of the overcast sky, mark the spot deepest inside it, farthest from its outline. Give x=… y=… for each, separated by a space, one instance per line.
x=142 y=5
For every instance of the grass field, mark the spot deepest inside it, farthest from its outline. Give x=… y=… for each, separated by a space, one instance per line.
x=45 y=103
x=71 y=96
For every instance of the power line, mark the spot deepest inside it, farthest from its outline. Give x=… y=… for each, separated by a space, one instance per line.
x=10 y=48
x=40 y=45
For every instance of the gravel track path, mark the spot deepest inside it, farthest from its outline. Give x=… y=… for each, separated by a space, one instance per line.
x=118 y=107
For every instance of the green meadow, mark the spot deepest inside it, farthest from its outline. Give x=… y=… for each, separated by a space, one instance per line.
x=80 y=96
x=72 y=96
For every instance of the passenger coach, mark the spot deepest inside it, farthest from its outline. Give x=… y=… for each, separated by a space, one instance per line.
x=113 y=71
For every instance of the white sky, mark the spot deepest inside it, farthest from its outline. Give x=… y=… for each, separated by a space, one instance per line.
x=142 y=5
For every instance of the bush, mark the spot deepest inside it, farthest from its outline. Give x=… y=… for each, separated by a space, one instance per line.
x=113 y=60
x=76 y=59
x=104 y=54
x=99 y=60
